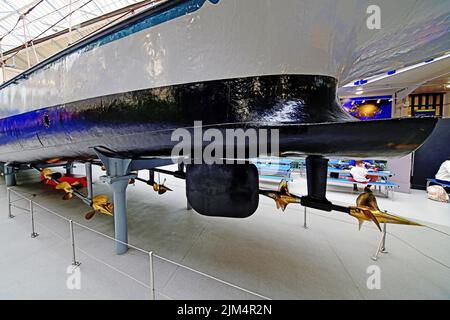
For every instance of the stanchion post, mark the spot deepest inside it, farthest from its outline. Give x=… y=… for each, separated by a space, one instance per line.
x=152 y=279
x=380 y=246
x=383 y=246
x=8 y=194
x=304 y=220
x=72 y=238
x=90 y=193
x=33 y=233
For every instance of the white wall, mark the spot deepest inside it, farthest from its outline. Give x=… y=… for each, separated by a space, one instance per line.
x=401 y=168
x=446 y=112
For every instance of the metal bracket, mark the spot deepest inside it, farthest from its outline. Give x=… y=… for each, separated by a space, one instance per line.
x=119 y=168
x=382 y=245
x=111 y=180
x=304 y=220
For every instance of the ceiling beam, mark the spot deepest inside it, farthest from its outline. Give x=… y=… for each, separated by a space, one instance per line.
x=85 y=24
x=18 y=10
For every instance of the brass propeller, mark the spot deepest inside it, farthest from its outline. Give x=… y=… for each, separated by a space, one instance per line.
x=69 y=188
x=366 y=209
x=100 y=204
x=282 y=197
x=48 y=174
x=54 y=160
x=161 y=188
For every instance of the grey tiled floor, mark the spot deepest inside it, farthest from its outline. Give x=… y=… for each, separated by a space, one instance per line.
x=269 y=253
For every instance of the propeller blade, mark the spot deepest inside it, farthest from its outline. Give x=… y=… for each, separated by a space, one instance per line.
x=360 y=223
x=372 y=217
x=160 y=188
x=54 y=160
x=282 y=197
x=367 y=210
x=90 y=215
x=277 y=204
x=282 y=204
x=283 y=187
x=100 y=204
x=77 y=185
x=68 y=196
x=384 y=217
x=63 y=186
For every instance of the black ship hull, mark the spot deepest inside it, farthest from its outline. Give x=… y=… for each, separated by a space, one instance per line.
x=303 y=108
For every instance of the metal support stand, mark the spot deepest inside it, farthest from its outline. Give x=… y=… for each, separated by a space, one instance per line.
x=8 y=195
x=382 y=245
x=118 y=175
x=316 y=180
x=75 y=263
x=33 y=233
x=120 y=213
x=151 y=175
x=90 y=193
x=118 y=169
x=181 y=168
x=304 y=220
x=152 y=279
x=69 y=169
x=10 y=176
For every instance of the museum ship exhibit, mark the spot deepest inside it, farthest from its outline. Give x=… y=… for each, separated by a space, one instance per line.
x=118 y=95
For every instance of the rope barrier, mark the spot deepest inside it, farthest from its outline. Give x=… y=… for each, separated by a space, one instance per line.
x=133 y=247
x=188 y=268
x=395 y=236
x=212 y=277
x=114 y=268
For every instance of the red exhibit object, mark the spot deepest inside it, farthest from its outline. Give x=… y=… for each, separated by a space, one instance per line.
x=69 y=178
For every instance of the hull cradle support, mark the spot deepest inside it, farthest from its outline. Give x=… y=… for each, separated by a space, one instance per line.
x=120 y=170
x=10 y=175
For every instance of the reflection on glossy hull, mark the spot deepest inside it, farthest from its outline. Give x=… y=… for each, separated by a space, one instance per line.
x=226 y=63
x=303 y=109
